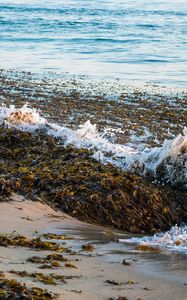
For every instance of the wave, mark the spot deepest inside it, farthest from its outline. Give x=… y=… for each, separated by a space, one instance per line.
x=166 y=164
x=175 y=239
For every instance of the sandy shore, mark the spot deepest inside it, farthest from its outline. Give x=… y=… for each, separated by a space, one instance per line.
x=93 y=271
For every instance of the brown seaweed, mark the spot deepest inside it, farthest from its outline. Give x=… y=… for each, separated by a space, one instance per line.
x=88 y=247
x=12 y=289
x=70 y=179
x=36 y=243
x=48 y=279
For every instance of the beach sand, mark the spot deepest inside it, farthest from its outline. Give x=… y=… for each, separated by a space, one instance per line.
x=35 y=218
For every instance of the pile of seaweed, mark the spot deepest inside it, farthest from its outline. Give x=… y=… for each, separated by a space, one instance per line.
x=38 y=166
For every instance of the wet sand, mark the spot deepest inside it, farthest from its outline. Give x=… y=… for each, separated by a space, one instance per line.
x=133 y=282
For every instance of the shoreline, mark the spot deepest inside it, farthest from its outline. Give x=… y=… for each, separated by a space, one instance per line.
x=27 y=217
x=70 y=179
x=146 y=207
x=143 y=85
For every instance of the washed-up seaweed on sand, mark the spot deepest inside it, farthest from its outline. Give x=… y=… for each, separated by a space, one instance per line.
x=34 y=243
x=36 y=165
x=12 y=289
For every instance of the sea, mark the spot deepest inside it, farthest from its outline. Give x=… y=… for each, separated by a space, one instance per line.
x=130 y=39
x=126 y=59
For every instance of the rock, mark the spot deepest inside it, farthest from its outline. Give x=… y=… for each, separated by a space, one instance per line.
x=125 y=263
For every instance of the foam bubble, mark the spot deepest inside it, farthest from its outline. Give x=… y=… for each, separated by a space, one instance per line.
x=24 y=118
x=174 y=239
x=167 y=164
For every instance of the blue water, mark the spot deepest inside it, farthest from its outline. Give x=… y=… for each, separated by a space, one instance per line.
x=142 y=40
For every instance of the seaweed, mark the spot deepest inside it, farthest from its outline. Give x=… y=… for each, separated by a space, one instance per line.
x=52 y=265
x=148 y=248
x=36 y=243
x=12 y=289
x=38 y=166
x=88 y=247
x=70 y=265
x=54 y=236
x=48 y=279
x=77 y=292
x=113 y=282
x=50 y=261
x=119 y=298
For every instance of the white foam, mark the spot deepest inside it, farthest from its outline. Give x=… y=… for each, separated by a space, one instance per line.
x=23 y=118
x=174 y=239
x=167 y=164
x=168 y=161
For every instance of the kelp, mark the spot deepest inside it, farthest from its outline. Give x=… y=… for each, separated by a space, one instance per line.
x=148 y=248
x=88 y=247
x=35 y=243
x=77 y=292
x=48 y=279
x=114 y=282
x=51 y=265
x=37 y=165
x=12 y=289
x=120 y=298
x=54 y=236
x=70 y=265
x=51 y=260
x=5 y=187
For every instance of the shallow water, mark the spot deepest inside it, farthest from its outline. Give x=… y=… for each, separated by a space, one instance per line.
x=140 y=40
x=170 y=266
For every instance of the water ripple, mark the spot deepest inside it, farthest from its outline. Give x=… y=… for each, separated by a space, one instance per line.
x=147 y=39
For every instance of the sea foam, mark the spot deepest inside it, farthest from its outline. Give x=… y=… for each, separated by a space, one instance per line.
x=166 y=164
x=175 y=239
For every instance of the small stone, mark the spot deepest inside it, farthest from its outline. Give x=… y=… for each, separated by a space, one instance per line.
x=125 y=263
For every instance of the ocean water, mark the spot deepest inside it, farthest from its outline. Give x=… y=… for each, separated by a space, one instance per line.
x=142 y=40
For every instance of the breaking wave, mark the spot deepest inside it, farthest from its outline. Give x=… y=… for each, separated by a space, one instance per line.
x=166 y=164
x=175 y=239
